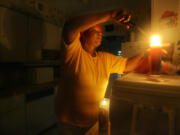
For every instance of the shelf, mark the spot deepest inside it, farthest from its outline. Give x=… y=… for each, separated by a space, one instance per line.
x=26 y=89
x=42 y=63
x=30 y=63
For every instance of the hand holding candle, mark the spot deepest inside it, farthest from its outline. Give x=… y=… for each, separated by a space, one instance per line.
x=104 y=117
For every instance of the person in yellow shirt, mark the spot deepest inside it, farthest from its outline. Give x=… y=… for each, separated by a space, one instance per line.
x=85 y=72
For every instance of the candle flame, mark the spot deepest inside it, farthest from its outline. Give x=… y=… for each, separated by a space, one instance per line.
x=155 y=41
x=104 y=103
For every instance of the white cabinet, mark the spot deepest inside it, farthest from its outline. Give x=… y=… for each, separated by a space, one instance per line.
x=13 y=35
x=12 y=116
x=28 y=114
x=146 y=105
x=40 y=111
x=13 y=123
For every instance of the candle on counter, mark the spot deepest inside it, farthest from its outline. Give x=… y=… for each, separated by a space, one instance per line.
x=155 y=55
x=104 y=117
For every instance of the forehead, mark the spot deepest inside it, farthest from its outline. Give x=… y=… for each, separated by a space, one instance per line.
x=96 y=28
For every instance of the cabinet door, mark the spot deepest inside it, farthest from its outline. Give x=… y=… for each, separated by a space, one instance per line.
x=13 y=35
x=13 y=123
x=12 y=116
x=40 y=111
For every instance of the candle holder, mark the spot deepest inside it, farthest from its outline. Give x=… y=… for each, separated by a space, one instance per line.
x=104 y=117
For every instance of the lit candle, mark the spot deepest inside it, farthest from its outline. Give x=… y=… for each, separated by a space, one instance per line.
x=155 y=55
x=104 y=117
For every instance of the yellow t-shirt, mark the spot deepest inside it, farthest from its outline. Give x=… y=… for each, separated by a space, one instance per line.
x=83 y=83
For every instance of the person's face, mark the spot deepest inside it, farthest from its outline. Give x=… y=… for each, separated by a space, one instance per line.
x=94 y=37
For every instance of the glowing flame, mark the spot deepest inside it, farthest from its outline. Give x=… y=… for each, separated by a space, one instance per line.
x=155 y=41
x=104 y=103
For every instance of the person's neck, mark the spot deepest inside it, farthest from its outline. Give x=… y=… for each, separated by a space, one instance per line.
x=90 y=50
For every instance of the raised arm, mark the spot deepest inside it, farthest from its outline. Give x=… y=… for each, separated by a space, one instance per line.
x=81 y=23
x=133 y=62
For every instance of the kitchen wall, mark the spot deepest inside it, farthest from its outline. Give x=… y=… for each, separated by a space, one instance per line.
x=164 y=19
x=22 y=36
x=165 y=14
x=28 y=26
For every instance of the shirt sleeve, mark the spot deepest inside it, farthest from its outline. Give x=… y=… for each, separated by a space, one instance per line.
x=74 y=46
x=117 y=63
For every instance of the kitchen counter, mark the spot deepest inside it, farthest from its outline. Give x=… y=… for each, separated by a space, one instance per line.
x=146 y=104
x=159 y=85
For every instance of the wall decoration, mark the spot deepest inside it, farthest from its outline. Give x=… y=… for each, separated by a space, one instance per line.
x=168 y=19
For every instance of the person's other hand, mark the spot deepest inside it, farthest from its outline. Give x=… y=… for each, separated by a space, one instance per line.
x=168 y=68
x=143 y=65
x=121 y=16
